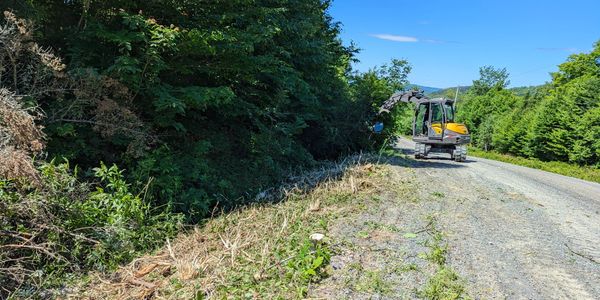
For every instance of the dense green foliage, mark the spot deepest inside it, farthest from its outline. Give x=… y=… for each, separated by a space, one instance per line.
x=375 y=86
x=215 y=100
x=559 y=121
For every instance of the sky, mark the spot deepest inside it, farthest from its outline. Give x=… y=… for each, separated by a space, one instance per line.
x=447 y=41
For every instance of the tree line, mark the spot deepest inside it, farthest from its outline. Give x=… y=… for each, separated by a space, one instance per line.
x=557 y=121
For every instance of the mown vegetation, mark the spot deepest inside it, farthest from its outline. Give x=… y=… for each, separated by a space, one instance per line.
x=264 y=251
x=559 y=121
x=202 y=105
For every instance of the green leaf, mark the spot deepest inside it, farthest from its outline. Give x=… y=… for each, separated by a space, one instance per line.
x=317 y=262
x=410 y=235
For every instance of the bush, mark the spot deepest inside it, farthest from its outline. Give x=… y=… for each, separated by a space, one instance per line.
x=64 y=227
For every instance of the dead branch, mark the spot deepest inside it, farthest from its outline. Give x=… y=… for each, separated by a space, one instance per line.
x=582 y=255
x=38 y=248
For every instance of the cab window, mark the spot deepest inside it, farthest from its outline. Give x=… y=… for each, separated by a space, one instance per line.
x=449 y=109
x=421 y=119
x=436 y=113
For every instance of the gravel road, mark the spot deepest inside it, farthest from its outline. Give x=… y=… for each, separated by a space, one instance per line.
x=512 y=232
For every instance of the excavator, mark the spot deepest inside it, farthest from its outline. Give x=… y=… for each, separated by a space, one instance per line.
x=434 y=127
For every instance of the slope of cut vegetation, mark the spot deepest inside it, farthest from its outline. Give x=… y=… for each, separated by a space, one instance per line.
x=260 y=251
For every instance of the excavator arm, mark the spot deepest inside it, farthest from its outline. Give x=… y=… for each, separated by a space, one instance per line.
x=410 y=96
x=388 y=105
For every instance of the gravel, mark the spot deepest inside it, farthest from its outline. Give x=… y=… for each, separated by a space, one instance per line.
x=517 y=232
x=512 y=232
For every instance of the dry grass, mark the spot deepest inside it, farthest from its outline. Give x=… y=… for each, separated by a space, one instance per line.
x=252 y=252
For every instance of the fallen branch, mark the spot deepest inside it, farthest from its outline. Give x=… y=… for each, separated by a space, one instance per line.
x=582 y=255
x=427 y=228
x=39 y=248
x=75 y=235
x=142 y=283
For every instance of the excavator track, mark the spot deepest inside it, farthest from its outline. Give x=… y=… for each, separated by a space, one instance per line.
x=460 y=153
x=420 y=150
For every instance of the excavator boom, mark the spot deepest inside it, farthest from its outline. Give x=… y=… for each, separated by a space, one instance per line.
x=410 y=96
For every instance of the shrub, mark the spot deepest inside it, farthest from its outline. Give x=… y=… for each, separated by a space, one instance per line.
x=64 y=227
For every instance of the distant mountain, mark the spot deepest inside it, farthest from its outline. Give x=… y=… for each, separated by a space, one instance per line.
x=448 y=92
x=524 y=90
x=426 y=89
x=433 y=92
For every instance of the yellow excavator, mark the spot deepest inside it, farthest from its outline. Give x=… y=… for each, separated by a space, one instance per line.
x=434 y=126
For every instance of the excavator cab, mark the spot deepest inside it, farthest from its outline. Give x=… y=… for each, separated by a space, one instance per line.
x=434 y=125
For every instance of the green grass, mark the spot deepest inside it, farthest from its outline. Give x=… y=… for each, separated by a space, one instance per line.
x=558 y=167
x=438 y=195
x=445 y=284
x=372 y=225
x=374 y=282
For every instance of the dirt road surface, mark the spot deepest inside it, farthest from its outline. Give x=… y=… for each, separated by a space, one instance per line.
x=511 y=233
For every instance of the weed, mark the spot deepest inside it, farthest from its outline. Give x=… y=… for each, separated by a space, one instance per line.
x=362 y=234
x=438 y=249
x=372 y=225
x=309 y=261
x=410 y=235
x=406 y=268
x=437 y=254
x=355 y=266
x=438 y=195
x=373 y=282
x=324 y=223
x=444 y=285
x=376 y=198
x=176 y=283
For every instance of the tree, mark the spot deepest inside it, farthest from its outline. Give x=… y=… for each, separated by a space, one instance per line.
x=561 y=129
x=27 y=73
x=586 y=149
x=376 y=86
x=490 y=78
x=484 y=134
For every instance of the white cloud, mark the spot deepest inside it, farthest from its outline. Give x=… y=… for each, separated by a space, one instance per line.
x=396 y=38
x=434 y=41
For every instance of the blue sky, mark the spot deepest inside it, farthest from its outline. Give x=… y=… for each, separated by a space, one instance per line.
x=447 y=41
